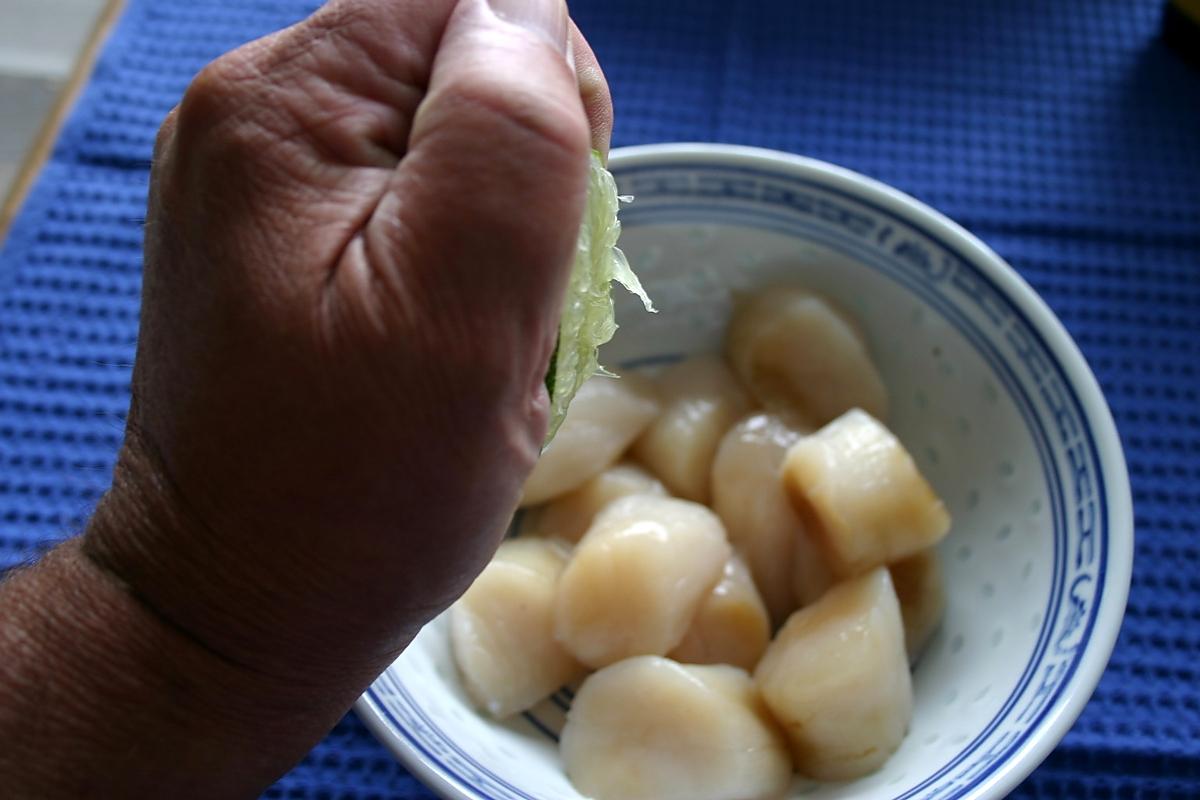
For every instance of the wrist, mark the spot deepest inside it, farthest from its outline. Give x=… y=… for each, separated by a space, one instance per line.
x=221 y=584
x=80 y=654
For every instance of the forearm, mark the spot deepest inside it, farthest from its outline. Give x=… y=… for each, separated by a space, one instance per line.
x=100 y=697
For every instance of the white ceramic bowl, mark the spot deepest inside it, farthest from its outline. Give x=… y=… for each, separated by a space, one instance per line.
x=988 y=392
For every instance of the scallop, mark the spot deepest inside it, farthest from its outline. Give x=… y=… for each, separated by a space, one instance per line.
x=701 y=399
x=637 y=578
x=605 y=417
x=748 y=495
x=861 y=495
x=795 y=350
x=811 y=575
x=731 y=626
x=651 y=729
x=568 y=516
x=502 y=629
x=836 y=677
x=922 y=596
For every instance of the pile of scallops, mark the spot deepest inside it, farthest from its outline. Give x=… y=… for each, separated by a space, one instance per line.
x=733 y=561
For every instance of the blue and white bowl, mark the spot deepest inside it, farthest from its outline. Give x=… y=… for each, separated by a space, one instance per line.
x=988 y=392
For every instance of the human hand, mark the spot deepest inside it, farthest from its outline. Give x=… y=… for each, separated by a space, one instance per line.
x=356 y=250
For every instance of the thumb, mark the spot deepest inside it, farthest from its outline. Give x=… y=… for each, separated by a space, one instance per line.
x=481 y=216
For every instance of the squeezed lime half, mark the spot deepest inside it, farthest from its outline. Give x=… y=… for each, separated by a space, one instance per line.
x=587 y=318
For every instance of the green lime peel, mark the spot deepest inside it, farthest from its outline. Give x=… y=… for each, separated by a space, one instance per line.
x=587 y=318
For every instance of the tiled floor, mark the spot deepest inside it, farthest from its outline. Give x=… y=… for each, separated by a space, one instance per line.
x=39 y=42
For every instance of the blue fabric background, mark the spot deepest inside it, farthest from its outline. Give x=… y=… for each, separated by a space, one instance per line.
x=1064 y=134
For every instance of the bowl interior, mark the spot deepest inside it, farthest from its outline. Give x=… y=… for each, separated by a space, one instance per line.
x=990 y=410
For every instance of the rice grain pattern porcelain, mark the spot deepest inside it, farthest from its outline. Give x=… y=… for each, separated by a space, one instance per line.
x=989 y=394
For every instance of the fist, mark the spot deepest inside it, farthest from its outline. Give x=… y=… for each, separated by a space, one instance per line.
x=356 y=251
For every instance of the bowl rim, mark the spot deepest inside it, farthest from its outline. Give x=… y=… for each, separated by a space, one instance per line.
x=1093 y=661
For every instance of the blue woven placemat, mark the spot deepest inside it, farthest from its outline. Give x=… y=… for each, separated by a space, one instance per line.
x=1064 y=134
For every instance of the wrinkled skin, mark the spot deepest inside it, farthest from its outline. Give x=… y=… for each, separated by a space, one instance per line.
x=346 y=321
x=357 y=242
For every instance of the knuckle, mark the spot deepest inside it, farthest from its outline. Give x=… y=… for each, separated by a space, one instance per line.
x=226 y=119
x=220 y=89
x=166 y=132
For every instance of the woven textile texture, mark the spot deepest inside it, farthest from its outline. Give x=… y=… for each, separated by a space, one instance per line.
x=1064 y=134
